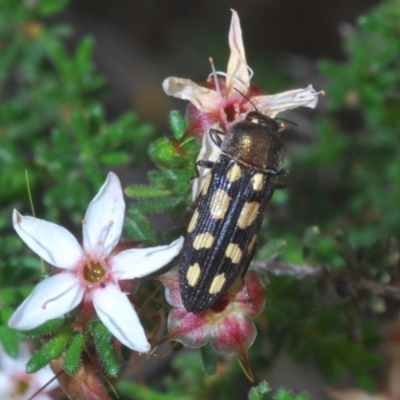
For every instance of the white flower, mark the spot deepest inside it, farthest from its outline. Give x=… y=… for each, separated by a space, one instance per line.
x=16 y=384
x=221 y=104
x=223 y=99
x=91 y=271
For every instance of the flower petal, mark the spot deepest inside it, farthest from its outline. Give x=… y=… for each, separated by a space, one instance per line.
x=237 y=72
x=136 y=263
x=209 y=151
x=274 y=104
x=255 y=290
x=50 y=299
x=6 y=386
x=104 y=217
x=55 y=244
x=170 y=280
x=120 y=318
x=202 y=98
x=235 y=333
x=187 y=328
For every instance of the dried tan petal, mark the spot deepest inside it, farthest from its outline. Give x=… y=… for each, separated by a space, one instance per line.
x=238 y=75
x=202 y=98
x=274 y=104
x=210 y=152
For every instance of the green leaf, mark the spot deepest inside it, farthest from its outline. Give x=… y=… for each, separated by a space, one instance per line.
x=260 y=392
x=178 y=124
x=272 y=249
x=209 y=358
x=139 y=227
x=154 y=205
x=105 y=348
x=115 y=158
x=165 y=153
x=142 y=191
x=48 y=328
x=10 y=340
x=179 y=210
x=138 y=391
x=49 y=352
x=47 y=8
x=285 y=394
x=73 y=354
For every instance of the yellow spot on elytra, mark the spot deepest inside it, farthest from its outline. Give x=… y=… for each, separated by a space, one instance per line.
x=234 y=173
x=219 y=204
x=217 y=283
x=193 y=222
x=257 y=181
x=206 y=184
x=193 y=274
x=248 y=214
x=233 y=252
x=203 y=240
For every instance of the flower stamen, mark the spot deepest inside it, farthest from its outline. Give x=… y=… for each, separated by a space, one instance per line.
x=214 y=74
x=236 y=107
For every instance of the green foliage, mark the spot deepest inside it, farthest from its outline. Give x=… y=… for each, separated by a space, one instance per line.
x=209 y=359
x=260 y=392
x=272 y=249
x=169 y=188
x=329 y=333
x=53 y=136
x=49 y=352
x=104 y=345
x=48 y=328
x=73 y=354
x=136 y=391
x=178 y=124
x=284 y=394
x=361 y=165
x=263 y=392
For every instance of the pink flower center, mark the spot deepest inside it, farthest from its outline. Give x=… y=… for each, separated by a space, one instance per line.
x=94 y=270
x=233 y=107
x=22 y=385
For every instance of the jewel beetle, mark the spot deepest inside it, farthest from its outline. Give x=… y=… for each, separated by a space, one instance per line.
x=222 y=234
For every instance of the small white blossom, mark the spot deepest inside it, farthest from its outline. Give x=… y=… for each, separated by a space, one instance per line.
x=237 y=78
x=16 y=384
x=90 y=271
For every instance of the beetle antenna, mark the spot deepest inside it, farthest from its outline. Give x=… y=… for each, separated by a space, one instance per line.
x=286 y=120
x=247 y=98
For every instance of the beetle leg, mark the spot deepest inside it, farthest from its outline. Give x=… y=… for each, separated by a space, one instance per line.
x=214 y=133
x=279 y=185
x=284 y=172
x=200 y=163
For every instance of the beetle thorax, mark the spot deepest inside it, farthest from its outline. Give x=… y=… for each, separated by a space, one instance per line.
x=255 y=144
